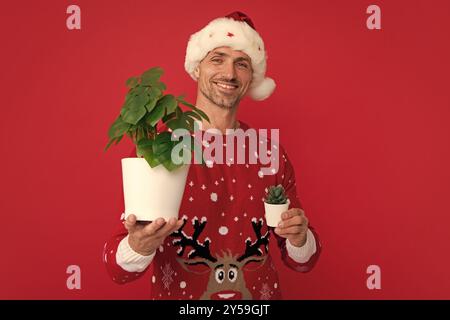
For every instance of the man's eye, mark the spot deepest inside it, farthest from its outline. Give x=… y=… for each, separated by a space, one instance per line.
x=217 y=60
x=242 y=65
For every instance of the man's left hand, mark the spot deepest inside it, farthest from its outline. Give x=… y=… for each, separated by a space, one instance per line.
x=293 y=226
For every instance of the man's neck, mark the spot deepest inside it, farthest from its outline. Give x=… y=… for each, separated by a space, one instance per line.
x=219 y=118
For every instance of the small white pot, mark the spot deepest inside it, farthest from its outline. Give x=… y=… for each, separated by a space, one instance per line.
x=150 y=193
x=274 y=211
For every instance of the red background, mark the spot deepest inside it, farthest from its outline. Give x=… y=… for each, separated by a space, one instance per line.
x=364 y=115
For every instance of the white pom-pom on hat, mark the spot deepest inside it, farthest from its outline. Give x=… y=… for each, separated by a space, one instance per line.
x=236 y=31
x=263 y=90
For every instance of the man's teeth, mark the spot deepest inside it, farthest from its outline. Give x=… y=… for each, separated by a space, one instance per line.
x=225 y=86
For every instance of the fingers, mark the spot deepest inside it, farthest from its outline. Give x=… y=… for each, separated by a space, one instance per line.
x=152 y=228
x=296 y=220
x=157 y=228
x=179 y=224
x=294 y=230
x=130 y=222
x=170 y=227
x=293 y=222
x=292 y=213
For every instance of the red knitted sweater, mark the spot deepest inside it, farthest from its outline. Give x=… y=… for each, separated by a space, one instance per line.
x=229 y=255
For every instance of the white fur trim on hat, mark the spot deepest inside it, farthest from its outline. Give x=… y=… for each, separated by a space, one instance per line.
x=238 y=35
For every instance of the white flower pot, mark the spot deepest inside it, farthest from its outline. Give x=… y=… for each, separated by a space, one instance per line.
x=274 y=211
x=150 y=193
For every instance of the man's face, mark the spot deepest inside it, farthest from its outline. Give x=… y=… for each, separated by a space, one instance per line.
x=224 y=76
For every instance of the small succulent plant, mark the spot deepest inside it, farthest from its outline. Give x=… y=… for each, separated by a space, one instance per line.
x=276 y=195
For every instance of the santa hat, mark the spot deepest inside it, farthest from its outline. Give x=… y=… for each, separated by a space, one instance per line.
x=236 y=31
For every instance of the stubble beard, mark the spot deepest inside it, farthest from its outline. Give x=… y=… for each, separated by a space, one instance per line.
x=219 y=101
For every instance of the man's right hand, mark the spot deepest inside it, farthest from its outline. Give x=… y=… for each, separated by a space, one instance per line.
x=146 y=238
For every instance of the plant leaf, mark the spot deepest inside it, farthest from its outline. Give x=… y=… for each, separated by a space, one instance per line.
x=145 y=147
x=145 y=143
x=133 y=115
x=155 y=93
x=189 y=122
x=181 y=100
x=162 y=147
x=118 y=128
x=169 y=102
x=178 y=123
x=151 y=104
x=132 y=82
x=156 y=115
x=164 y=156
x=109 y=143
x=141 y=99
x=138 y=90
x=160 y=85
x=151 y=76
x=162 y=142
x=201 y=113
x=173 y=123
x=169 y=165
x=152 y=161
x=179 y=112
x=119 y=138
x=168 y=117
x=193 y=114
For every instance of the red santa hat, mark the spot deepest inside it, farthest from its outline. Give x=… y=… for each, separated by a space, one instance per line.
x=236 y=31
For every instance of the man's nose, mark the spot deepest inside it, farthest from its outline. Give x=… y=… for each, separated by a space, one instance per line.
x=229 y=71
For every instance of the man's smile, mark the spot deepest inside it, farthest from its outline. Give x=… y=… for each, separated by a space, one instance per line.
x=226 y=87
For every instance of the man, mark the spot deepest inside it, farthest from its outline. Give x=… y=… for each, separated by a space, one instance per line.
x=219 y=249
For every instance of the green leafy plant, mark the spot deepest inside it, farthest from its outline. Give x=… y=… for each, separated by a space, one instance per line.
x=145 y=109
x=276 y=195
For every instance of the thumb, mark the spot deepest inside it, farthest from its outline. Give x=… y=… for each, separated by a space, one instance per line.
x=130 y=222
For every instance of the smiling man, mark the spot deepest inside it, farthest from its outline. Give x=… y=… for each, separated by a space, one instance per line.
x=219 y=249
x=224 y=76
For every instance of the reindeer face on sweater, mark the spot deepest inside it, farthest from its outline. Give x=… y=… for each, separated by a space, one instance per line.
x=226 y=278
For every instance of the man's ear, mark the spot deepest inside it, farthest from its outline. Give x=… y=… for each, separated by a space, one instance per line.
x=197 y=72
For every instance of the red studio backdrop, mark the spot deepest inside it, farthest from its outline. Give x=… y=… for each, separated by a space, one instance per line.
x=363 y=114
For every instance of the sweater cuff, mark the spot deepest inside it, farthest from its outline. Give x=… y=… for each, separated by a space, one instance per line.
x=304 y=253
x=129 y=260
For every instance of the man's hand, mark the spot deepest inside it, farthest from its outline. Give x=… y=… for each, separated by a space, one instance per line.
x=146 y=238
x=293 y=226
